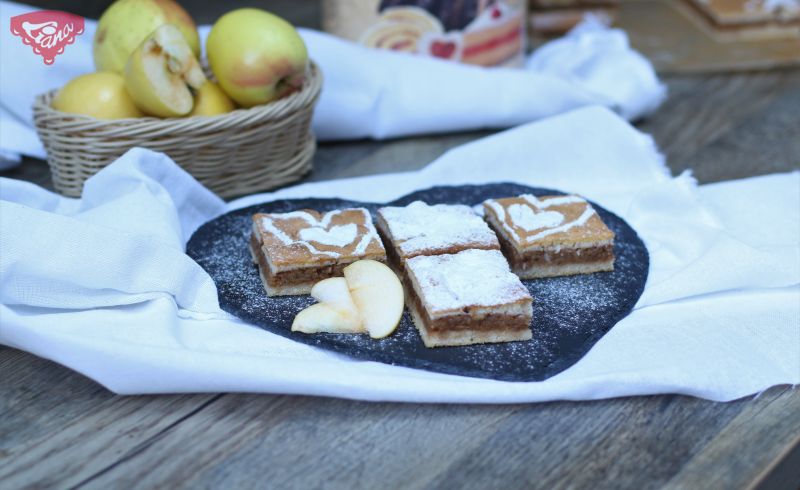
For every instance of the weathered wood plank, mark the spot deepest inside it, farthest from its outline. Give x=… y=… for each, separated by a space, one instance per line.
x=58 y=428
x=760 y=435
x=629 y=443
x=703 y=111
x=766 y=141
x=309 y=442
x=353 y=159
x=303 y=442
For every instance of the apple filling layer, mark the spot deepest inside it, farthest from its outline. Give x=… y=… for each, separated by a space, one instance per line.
x=467 y=321
x=522 y=261
x=551 y=236
x=296 y=276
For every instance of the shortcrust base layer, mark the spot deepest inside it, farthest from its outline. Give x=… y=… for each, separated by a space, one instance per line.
x=465 y=336
x=539 y=271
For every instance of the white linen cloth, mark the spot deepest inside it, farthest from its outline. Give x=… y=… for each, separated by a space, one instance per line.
x=102 y=286
x=381 y=94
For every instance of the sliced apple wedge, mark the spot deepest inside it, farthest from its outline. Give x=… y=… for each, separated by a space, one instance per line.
x=161 y=72
x=378 y=295
x=335 y=313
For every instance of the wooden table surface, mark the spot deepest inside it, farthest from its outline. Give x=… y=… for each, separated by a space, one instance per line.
x=59 y=429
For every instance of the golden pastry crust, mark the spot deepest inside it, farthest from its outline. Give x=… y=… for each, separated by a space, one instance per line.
x=296 y=250
x=551 y=236
x=306 y=237
x=531 y=223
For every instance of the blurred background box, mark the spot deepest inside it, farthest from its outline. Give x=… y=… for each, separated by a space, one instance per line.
x=679 y=37
x=479 y=32
x=552 y=18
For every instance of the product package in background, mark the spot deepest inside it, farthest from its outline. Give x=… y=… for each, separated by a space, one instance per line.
x=478 y=32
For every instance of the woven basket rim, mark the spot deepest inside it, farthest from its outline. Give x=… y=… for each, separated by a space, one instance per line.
x=274 y=110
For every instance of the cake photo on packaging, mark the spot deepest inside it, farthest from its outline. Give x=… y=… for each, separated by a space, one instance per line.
x=424 y=229
x=295 y=250
x=470 y=297
x=551 y=235
x=750 y=19
x=478 y=32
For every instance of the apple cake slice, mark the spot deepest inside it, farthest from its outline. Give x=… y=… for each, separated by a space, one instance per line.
x=551 y=235
x=298 y=249
x=470 y=297
x=423 y=229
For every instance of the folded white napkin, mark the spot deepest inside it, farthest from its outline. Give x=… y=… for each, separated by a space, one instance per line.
x=101 y=284
x=381 y=94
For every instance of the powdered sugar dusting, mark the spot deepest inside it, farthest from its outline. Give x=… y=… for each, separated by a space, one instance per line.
x=319 y=232
x=537 y=217
x=338 y=236
x=369 y=237
x=552 y=201
x=419 y=226
x=470 y=278
x=524 y=217
x=582 y=219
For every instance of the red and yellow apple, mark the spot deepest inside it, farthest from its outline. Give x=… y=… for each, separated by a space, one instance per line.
x=126 y=24
x=256 y=56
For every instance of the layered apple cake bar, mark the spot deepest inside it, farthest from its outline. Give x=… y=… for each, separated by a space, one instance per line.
x=298 y=249
x=423 y=229
x=551 y=235
x=470 y=297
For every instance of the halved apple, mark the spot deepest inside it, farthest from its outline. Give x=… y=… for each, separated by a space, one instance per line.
x=161 y=72
x=335 y=313
x=378 y=295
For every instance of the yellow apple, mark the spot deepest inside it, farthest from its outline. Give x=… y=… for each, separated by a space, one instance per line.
x=101 y=95
x=161 y=73
x=256 y=56
x=126 y=23
x=210 y=100
x=377 y=294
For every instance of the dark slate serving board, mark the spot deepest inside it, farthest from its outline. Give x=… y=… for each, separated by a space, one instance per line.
x=570 y=313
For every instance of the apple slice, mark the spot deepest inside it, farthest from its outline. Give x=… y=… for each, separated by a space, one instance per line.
x=335 y=312
x=378 y=295
x=161 y=71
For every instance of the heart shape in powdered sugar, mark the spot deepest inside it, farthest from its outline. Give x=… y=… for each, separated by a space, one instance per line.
x=337 y=236
x=529 y=220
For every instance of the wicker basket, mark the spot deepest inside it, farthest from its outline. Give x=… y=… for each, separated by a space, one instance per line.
x=240 y=152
